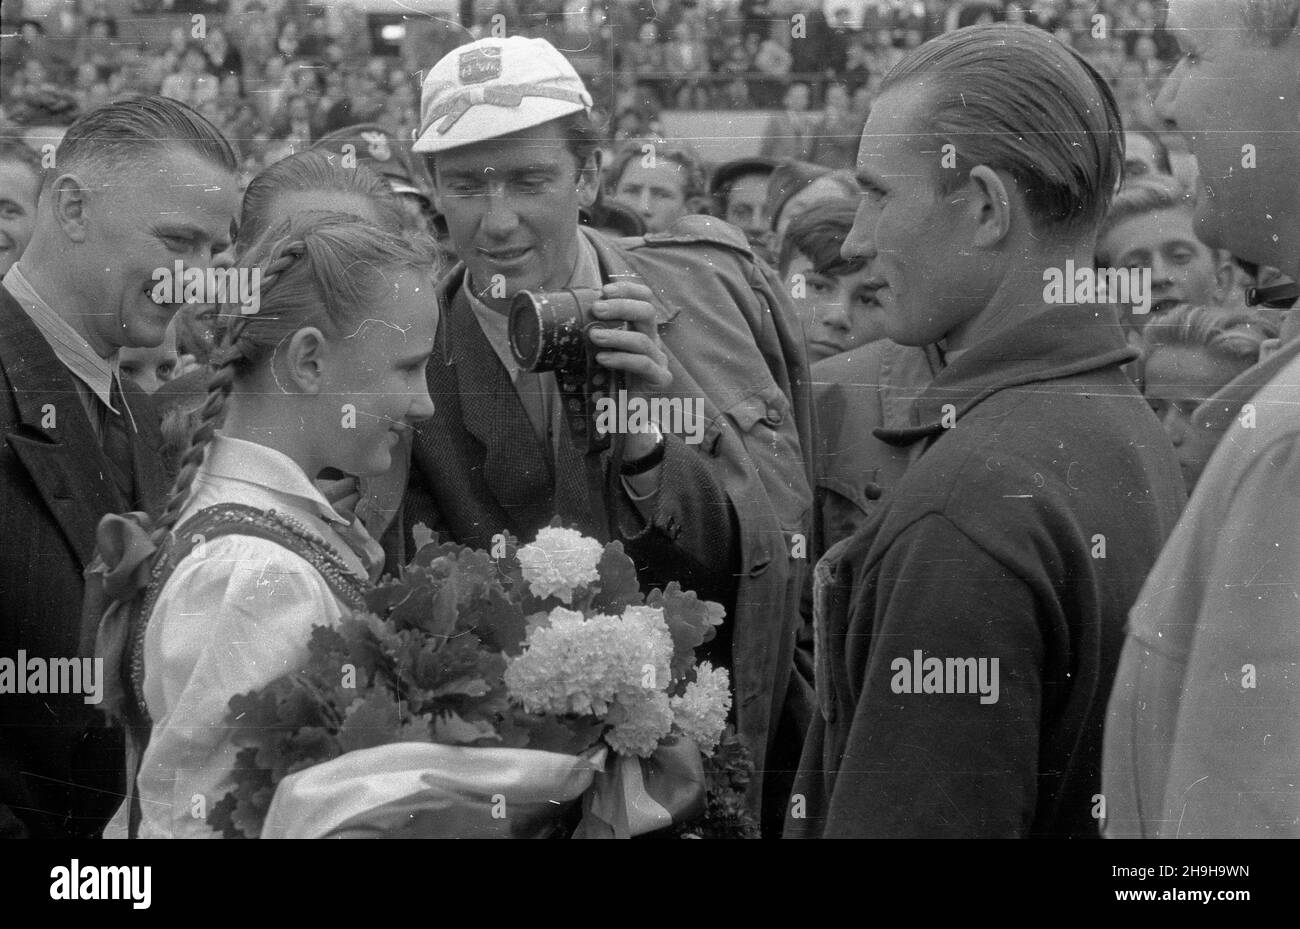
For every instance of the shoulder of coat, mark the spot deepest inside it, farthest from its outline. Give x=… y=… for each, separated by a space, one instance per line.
x=698 y=229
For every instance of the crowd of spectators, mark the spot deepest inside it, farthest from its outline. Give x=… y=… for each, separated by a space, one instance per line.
x=275 y=75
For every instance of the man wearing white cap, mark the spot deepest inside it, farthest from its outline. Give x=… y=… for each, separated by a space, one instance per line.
x=718 y=500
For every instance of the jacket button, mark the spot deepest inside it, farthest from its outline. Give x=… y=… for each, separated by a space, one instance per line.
x=758 y=569
x=774 y=416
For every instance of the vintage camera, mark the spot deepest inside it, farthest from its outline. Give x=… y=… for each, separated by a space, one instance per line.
x=548 y=332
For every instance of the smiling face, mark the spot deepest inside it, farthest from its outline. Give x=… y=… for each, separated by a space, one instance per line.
x=656 y=193
x=181 y=208
x=1177 y=380
x=837 y=313
x=380 y=370
x=1228 y=92
x=1183 y=269
x=511 y=206
x=916 y=242
x=19 y=188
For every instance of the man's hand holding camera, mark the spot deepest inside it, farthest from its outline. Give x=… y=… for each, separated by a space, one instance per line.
x=639 y=354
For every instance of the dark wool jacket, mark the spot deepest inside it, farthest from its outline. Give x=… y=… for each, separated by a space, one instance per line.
x=1023 y=534
x=61 y=767
x=728 y=509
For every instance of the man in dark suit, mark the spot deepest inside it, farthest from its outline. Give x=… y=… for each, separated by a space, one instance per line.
x=138 y=185
x=715 y=502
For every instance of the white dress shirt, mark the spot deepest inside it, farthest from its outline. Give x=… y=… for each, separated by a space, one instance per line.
x=229 y=620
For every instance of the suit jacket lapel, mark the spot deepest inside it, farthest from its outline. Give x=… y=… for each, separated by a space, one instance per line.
x=493 y=413
x=54 y=439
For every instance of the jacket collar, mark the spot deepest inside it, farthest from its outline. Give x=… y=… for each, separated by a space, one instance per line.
x=1056 y=342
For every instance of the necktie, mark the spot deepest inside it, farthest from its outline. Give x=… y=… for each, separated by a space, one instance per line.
x=115 y=437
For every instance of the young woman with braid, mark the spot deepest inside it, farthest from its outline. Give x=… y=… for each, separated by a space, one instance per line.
x=327 y=374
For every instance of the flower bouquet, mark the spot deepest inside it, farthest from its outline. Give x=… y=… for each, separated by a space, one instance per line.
x=533 y=693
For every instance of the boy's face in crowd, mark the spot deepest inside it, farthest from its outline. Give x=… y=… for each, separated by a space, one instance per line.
x=655 y=191
x=19 y=189
x=745 y=202
x=1229 y=92
x=1177 y=380
x=1140 y=155
x=837 y=313
x=511 y=206
x=150 y=368
x=930 y=281
x=181 y=209
x=1183 y=269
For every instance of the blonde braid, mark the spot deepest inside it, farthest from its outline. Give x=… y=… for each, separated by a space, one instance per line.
x=211 y=414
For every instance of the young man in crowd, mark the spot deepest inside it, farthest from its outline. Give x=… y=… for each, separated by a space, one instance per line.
x=966 y=638
x=712 y=500
x=1151 y=224
x=138 y=185
x=1204 y=725
x=835 y=300
x=739 y=190
x=661 y=181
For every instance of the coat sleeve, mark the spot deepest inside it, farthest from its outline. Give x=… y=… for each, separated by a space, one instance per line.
x=930 y=765
x=1233 y=764
x=692 y=536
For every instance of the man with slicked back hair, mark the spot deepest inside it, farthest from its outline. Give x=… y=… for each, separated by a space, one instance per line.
x=137 y=185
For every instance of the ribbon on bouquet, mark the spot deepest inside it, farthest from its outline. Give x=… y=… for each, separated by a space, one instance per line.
x=120 y=569
x=634 y=796
x=422 y=790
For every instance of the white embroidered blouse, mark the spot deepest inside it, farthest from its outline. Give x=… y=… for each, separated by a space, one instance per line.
x=231 y=618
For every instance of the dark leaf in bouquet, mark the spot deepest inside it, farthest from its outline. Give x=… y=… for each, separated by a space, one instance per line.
x=254 y=801
x=304 y=705
x=371 y=720
x=463 y=687
x=431 y=554
x=452 y=729
x=387 y=594
x=307 y=747
x=415 y=729
x=474 y=574
x=559 y=734
x=619 y=586
x=498 y=621
x=416 y=610
x=221 y=817
x=366 y=652
x=691 y=621
x=256 y=713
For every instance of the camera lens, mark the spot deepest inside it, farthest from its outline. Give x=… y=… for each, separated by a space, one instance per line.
x=526 y=330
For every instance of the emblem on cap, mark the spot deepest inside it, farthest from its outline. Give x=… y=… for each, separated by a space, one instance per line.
x=377 y=144
x=480 y=64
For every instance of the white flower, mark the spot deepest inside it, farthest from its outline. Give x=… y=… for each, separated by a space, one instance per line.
x=644 y=723
x=578 y=665
x=558 y=561
x=701 y=712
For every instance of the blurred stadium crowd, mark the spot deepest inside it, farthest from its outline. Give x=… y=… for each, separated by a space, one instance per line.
x=276 y=75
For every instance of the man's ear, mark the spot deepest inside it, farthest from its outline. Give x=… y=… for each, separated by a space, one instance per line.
x=69 y=200
x=589 y=180
x=988 y=205
x=1225 y=276
x=305 y=358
